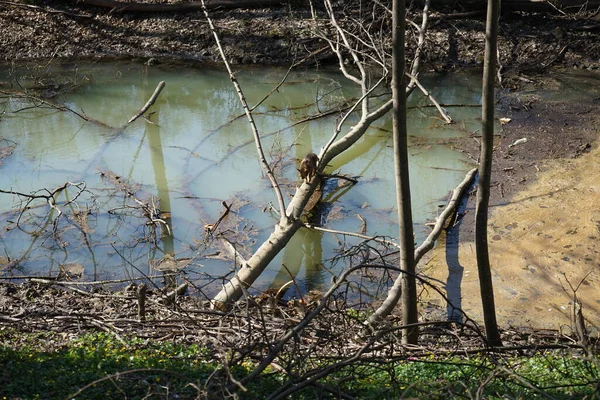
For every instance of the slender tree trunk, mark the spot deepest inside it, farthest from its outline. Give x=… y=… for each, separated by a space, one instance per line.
x=407 y=259
x=485 y=175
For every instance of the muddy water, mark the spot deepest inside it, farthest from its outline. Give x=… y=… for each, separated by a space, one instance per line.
x=192 y=153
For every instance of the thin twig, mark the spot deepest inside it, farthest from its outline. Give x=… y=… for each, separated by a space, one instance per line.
x=358 y=235
x=118 y=375
x=443 y=112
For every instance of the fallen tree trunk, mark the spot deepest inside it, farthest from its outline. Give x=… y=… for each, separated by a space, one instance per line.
x=284 y=230
x=394 y=293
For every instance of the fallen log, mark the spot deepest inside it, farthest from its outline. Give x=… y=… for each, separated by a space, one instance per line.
x=394 y=293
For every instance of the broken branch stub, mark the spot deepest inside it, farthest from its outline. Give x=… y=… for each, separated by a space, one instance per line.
x=149 y=103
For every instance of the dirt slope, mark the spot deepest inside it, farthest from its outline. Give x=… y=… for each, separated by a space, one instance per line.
x=544 y=224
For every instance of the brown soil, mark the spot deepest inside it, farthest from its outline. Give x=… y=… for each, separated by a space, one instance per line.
x=281 y=35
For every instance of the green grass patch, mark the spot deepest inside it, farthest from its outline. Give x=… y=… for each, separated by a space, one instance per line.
x=540 y=376
x=143 y=368
x=147 y=367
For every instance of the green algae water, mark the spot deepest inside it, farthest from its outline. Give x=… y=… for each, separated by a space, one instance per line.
x=129 y=197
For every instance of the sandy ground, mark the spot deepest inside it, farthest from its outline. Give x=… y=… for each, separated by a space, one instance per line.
x=544 y=247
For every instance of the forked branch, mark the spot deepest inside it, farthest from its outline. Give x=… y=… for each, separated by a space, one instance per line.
x=50 y=197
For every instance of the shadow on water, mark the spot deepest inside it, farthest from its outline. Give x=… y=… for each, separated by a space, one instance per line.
x=164 y=200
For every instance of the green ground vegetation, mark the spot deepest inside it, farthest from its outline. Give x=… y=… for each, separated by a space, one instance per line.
x=100 y=366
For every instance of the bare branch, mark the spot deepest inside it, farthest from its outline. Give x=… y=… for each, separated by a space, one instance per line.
x=276 y=349
x=50 y=197
x=416 y=63
x=338 y=128
x=395 y=291
x=266 y=167
x=443 y=112
x=358 y=235
x=149 y=103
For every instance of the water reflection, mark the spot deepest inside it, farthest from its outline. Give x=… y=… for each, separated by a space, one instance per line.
x=162 y=187
x=199 y=154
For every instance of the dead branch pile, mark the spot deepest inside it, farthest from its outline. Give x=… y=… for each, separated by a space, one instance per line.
x=250 y=332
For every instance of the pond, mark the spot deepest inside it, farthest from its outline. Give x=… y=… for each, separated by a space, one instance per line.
x=192 y=153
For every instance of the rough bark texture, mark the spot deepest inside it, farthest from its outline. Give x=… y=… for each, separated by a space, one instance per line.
x=485 y=176
x=248 y=273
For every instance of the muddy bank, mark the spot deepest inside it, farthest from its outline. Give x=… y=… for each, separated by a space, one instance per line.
x=528 y=42
x=544 y=222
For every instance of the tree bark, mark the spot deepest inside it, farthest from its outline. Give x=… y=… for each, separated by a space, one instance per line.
x=249 y=272
x=485 y=176
x=410 y=335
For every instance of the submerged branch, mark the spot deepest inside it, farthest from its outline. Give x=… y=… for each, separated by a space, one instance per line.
x=39 y=102
x=50 y=198
x=443 y=112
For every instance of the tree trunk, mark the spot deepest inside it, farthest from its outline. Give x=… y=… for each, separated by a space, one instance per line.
x=403 y=200
x=247 y=274
x=485 y=175
x=251 y=270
